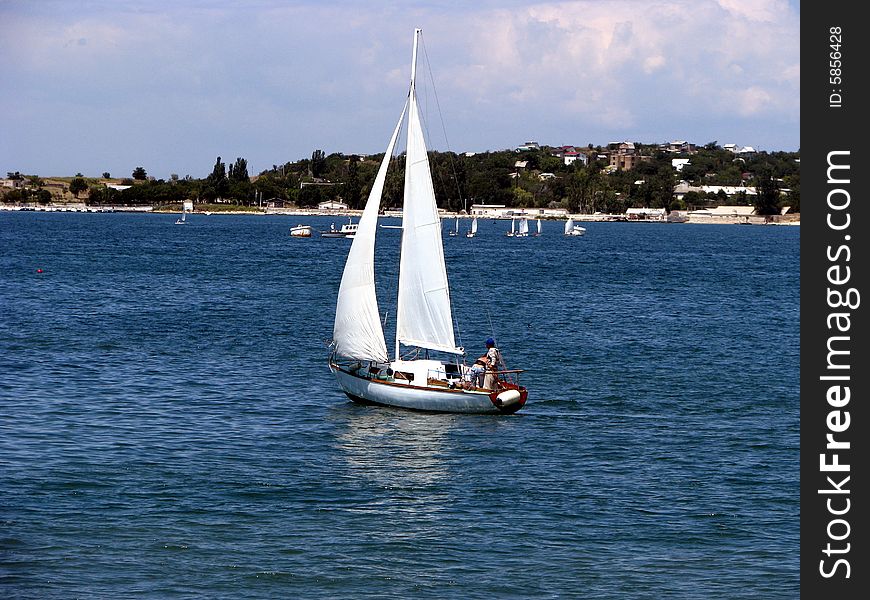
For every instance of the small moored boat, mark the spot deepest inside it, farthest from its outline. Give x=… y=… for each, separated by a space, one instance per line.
x=348 y=230
x=300 y=231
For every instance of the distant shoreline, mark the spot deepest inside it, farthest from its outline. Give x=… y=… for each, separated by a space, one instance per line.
x=791 y=219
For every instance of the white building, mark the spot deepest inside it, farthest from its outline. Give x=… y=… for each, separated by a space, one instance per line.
x=683 y=188
x=332 y=205
x=496 y=211
x=679 y=163
x=646 y=214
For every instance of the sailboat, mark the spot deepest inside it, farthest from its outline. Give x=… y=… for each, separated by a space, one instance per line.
x=455 y=230
x=523 y=230
x=513 y=230
x=473 y=231
x=424 y=320
x=571 y=229
x=186 y=207
x=539 y=228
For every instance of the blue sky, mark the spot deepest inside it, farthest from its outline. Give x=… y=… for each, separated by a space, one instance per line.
x=99 y=85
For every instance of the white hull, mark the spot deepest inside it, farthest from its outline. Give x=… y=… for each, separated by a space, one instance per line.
x=370 y=391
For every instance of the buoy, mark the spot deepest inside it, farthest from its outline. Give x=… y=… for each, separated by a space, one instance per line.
x=39 y=270
x=508 y=397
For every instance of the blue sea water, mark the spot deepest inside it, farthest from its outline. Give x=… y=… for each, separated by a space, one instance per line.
x=168 y=426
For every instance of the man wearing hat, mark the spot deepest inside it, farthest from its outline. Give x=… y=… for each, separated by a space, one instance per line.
x=494 y=362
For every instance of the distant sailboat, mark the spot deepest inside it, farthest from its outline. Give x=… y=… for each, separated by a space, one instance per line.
x=571 y=229
x=455 y=230
x=539 y=228
x=523 y=228
x=424 y=320
x=513 y=230
x=186 y=207
x=473 y=231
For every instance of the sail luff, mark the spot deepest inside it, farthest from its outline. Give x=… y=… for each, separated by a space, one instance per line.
x=357 y=331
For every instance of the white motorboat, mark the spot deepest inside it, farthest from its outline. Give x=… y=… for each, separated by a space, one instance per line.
x=301 y=231
x=348 y=230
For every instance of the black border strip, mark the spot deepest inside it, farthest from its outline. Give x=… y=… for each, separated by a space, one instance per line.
x=834 y=229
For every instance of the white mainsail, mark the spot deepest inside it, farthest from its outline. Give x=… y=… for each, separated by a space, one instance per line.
x=357 y=331
x=539 y=227
x=423 y=314
x=474 y=226
x=569 y=225
x=524 y=227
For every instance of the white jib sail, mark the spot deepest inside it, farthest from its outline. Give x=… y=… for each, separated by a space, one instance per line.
x=569 y=225
x=474 y=225
x=524 y=227
x=423 y=314
x=357 y=331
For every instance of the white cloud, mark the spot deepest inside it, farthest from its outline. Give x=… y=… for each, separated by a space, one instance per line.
x=585 y=71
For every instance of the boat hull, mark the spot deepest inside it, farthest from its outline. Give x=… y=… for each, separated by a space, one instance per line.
x=382 y=393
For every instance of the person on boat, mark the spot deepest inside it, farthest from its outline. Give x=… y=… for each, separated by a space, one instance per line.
x=494 y=363
x=493 y=354
x=477 y=372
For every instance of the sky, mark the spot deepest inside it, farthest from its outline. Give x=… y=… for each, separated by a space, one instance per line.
x=94 y=86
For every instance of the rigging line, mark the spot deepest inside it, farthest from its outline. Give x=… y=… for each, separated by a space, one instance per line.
x=441 y=117
x=485 y=304
x=425 y=121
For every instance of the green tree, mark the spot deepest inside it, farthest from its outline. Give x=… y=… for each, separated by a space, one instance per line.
x=318 y=163
x=77 y=185
x=352 y=187
x=239 y=170
x=107 y=175
x=310 y=195
x=140 y=174
x=767 y=194
x=216 y=185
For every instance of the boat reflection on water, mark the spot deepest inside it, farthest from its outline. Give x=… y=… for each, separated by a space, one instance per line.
x=395 y=449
